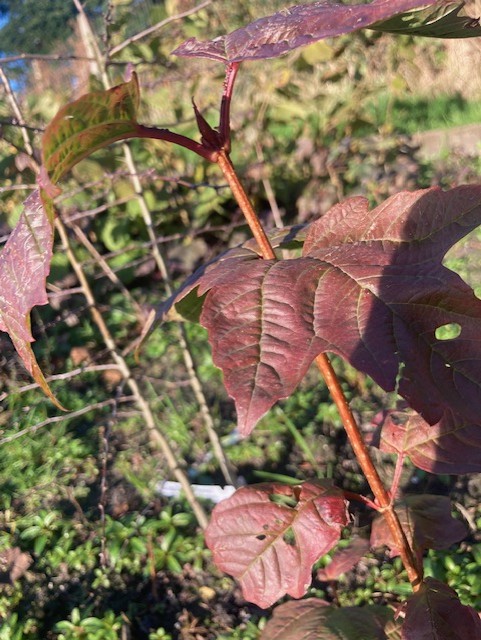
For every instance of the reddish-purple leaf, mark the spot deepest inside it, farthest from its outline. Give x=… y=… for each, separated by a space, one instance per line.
x=344 y=559
x=435 y=613
x=451 y=446
x=24 y=267
x=295 y=27
x=370 y=287
x=314 y=619
x=187 y=304
x=268 y=536
x=261 y=329
x=426 y=521
x=297 y=619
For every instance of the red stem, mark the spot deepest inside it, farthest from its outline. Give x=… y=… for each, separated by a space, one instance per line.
x=349 y=495
x=224 y=122
x=142 y=131
x=361 y=452
x=383 y=499
x=244 y=203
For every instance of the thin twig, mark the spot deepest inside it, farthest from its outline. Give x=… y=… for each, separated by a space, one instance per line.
x=146 y=32
x=196 y=385
x=18 y=187
x=62 y=376
x=156 y=437
x=16 y=110
x=90 y=42
x=55 y=293
x=105 y=439
x=90 y=213
x=270 y=195
x=111 y=275
x=61 y=418
x=38 y=56
x=14 y=123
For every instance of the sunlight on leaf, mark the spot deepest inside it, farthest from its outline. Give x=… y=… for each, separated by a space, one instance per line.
x=303 y=24
x=370 y=287
x=270 y=547
x=441 y=21
x=93 y=121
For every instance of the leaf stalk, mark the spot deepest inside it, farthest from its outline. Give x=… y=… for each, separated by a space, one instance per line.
x=141 y=131
x=245 y=205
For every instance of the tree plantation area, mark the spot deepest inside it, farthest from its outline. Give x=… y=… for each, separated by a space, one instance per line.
x=240 y=316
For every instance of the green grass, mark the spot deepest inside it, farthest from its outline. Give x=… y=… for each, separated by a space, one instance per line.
x=412 y=114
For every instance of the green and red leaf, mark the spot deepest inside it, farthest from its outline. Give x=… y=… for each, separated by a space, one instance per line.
x=93 y=121
x=268 y=536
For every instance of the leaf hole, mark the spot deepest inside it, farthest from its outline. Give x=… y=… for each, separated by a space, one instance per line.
x=283 y=500
x=261 y=536
x=448 y=331
x=289 y=538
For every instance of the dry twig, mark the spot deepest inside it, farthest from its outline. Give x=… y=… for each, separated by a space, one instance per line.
x=146 y=32
x=226 y=467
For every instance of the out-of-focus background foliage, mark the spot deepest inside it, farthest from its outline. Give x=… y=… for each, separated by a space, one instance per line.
x=89 y=546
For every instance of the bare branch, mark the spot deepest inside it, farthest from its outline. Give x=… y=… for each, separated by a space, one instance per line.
x=65 y=416
x=156 y=436
x=93 y=212
x=111 y=275
x=38 y=56
x=16 y=110
x=61 y=376
x=156 y=27
x=15 y=123
x=18 y=187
